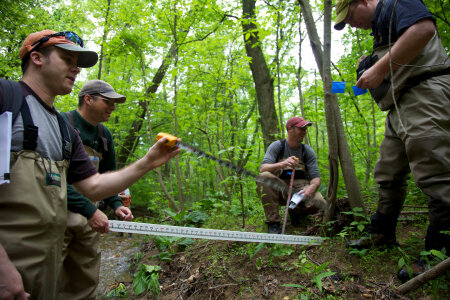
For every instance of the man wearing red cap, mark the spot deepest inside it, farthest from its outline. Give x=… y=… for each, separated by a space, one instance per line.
x=280 y=159
x=45 y=152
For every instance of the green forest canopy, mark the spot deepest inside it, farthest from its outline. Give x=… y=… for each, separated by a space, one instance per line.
x=184 y=70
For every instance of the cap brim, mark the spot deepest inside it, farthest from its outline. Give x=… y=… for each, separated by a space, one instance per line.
x=340 y=23
x=114 y=96
x=339 y=26
x=86 y=58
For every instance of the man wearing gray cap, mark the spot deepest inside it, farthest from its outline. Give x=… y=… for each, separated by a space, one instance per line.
x=80 y=269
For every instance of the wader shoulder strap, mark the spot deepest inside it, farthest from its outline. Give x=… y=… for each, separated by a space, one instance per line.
x=66 y=139
x=102 y=139
x=71 y=121
x=30 y=132
x=12 y=97
x=283 y=146
x=281 y=153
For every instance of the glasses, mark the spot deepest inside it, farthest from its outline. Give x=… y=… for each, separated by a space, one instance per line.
x=69 y=35
x=107 y=101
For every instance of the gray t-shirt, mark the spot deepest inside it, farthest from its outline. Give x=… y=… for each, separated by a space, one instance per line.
x=49 y=142
x=275 y=148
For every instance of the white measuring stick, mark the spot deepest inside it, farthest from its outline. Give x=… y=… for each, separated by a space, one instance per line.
x=211 y=234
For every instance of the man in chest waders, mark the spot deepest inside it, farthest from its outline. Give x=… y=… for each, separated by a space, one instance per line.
x=280 y=159
x=45 y=153
x=80 y=270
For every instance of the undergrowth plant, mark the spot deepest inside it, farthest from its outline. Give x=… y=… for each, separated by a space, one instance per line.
x=120 y=291
x=146 y=279
x=318 y=272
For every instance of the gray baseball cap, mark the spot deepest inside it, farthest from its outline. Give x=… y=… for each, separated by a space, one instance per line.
x=93 y=87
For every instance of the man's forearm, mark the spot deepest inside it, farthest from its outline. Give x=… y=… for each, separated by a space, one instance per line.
x=270 y=167
x=101 y=186
x=314 y=184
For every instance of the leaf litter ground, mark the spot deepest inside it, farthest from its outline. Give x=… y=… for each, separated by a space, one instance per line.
x=236 y=270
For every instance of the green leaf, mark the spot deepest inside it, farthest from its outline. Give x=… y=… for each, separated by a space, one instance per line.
x=294 y=285
x=401 y=262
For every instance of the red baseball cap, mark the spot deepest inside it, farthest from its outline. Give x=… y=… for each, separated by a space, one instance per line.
x=297 y=122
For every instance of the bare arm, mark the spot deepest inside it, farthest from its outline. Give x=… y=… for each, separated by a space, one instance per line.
x=101 y=186
x=11 y=285
x=407 y=47
x=290 y=162
x=312 y=188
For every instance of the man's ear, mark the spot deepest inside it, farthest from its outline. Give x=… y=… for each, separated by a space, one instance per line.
x=36 y=58
x=88 y=99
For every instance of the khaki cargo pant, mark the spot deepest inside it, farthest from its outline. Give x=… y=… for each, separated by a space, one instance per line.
x=423 y=149
x=271 y=198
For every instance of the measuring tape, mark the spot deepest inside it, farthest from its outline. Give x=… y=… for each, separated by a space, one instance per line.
x=211 y=234
x=173 y=141
x=214 y=234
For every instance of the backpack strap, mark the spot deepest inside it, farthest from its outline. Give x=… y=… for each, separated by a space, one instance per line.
x=12 y=97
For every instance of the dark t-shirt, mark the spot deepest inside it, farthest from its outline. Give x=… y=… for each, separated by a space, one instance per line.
x=407 y=13
x=80 y=166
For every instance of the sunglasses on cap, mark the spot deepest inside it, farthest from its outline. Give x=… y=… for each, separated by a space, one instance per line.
x=69 y=35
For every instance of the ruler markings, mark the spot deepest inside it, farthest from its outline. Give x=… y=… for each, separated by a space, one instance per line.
x=214 y=234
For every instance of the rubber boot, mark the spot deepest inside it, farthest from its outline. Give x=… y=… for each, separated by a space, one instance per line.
x=381 y=233
x=274 y=228
x=434 y=240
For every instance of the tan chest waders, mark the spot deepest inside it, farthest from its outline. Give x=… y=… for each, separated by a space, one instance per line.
x=33 y=210
x=432 y=61
x=81 y=255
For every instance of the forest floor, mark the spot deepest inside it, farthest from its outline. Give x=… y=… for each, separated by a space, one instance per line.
x=210 y=269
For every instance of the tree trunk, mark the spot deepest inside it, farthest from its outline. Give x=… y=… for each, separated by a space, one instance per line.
x=132 y=137
x=278 y=41
x=105 y=34
x=261 y=75
x=338 y=147
x=423 y=278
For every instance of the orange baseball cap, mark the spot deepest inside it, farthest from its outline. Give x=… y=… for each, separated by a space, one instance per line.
x=64 y=40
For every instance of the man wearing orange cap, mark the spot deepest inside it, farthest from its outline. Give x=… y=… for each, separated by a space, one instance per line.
x=417 y=133
x=45 y=152
x=278 y=163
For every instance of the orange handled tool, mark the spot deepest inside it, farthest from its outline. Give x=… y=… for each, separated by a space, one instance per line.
x=171 y=140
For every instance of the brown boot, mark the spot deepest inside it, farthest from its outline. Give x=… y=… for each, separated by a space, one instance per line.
x=374 y=240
